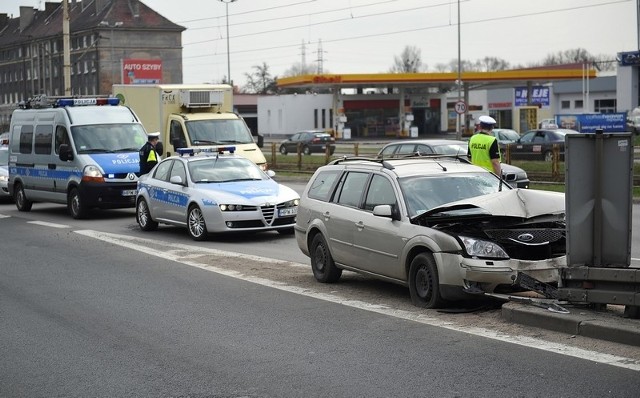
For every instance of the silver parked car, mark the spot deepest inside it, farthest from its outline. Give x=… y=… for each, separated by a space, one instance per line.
x=4 y=173
x=515 y=176
x=214 y=192
x=438 y=225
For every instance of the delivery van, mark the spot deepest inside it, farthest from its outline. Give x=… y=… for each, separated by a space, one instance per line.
x=80 y=152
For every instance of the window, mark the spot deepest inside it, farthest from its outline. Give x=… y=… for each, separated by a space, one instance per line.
x=162 y=171
x=324 y=118
x=352 y=188
x=62 y=137
x=578 y=104
x=43 y=139
x=321 y=187
x=315 y=118
x=26 y=139
x=565 y=104
x=178 y=171
x=605 y=106
x=380 y=193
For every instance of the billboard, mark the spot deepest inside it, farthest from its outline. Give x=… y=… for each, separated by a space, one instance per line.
x=590 y=122
x=142 y=71
x=539 y=96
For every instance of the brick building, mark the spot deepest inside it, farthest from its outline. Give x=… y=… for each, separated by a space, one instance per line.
x=104 y=36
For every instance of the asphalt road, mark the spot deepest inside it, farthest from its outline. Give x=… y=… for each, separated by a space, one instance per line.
x=86 y=314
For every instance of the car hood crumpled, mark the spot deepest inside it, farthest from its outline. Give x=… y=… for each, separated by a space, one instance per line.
x=523 y=203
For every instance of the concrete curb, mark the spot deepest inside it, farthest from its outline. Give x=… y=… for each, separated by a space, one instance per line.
x=580 y=321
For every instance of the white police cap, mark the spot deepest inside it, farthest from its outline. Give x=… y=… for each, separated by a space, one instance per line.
x=484 y=119
x=153 y=135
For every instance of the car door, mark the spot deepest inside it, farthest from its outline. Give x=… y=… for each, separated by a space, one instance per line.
x=525 y=148
x=292 y=143
x=158 y=189
x=341 y=220
x=377 y=241
x=177 y=194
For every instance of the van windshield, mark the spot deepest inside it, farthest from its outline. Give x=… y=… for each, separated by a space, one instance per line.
x=108 y=138
x=208 y=132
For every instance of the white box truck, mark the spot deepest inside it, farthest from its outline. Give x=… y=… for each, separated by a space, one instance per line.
x=191 y=115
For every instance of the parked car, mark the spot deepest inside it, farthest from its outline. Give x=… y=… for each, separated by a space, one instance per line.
x=538 y=144
x=513 y=175
x=505 y=136
x=438 y=225
x=633 y=124
x=214 y=192
x=311 y=141
x=4 y=173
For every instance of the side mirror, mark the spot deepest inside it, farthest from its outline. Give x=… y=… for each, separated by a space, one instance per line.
x=271 y=173
x=65 y=152
x=176 y=180
x=382 y=211
x=159 y=148
x=260 y=141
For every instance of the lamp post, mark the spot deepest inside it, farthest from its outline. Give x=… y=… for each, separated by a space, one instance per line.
x=226 y=3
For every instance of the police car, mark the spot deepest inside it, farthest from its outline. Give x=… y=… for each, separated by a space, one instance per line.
x=214 y=191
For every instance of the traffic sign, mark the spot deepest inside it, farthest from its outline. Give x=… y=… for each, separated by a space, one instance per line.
x=460 y=107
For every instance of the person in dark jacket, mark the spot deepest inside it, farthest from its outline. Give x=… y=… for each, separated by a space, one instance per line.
x=149 y=155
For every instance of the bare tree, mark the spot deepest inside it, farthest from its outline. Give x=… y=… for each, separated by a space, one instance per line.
x=298 y=69
x=410 y=61
x=260 y=80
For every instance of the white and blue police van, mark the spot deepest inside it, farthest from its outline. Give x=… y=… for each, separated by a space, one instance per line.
x=81 y=152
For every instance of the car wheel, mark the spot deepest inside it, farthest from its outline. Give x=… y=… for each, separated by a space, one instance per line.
x=143 y=216
x=22 y=203
x=75 y=206
x=286 y=231
x=306 y=150
x=548 y=156
x=196 y=224
x=424 y=284
x=324 y=269
x=283 y=149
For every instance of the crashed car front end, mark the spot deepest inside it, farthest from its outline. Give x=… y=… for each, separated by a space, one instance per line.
x=501 y=235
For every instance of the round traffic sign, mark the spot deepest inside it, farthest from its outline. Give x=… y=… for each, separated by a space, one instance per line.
x=460 y=107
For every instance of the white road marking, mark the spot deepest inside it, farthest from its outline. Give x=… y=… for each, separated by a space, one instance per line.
x=143 y=245
x=48 y=224
x=4 y=216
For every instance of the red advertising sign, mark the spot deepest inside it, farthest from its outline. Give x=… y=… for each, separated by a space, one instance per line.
x=142 y=71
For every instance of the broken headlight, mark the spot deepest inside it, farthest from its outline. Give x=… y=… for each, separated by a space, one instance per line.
x=482 y=248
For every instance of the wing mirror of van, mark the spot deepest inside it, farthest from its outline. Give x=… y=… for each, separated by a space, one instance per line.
x=260 y=141
x=65 y=152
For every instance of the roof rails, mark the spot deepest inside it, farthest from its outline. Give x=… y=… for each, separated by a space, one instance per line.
x=419 y=155
x=383 y=162
x=44 y=101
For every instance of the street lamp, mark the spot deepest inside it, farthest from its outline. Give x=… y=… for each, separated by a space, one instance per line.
x=226 y=3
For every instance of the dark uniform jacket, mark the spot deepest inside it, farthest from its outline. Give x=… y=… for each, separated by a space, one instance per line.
x=148 y=158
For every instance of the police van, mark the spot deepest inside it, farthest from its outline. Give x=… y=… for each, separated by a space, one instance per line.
x=82 y=152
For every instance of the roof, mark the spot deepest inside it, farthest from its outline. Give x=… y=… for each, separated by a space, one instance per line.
x=83 y=16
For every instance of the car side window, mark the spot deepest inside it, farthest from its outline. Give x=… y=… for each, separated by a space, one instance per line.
x=162 y=171
x=322 y=186
x=424 y=149
x=528 y=137
x=388 y=151
x=178 y=170
x=352 y=188
x=380 y=193
x=295 y=137
x=539 y=137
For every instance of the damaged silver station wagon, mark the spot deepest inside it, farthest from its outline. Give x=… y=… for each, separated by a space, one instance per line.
x=439 y=225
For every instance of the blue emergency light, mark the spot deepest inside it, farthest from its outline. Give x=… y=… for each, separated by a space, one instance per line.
x=87 y=101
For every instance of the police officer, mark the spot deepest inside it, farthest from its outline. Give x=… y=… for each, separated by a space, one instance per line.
x=149 y=156
x=483 y=146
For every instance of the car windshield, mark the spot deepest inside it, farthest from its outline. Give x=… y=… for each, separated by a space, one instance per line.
x=450 y=149
x=221 y=169
x=210 y=132
x=508 y=135
x=423 y=193
x=108 y=138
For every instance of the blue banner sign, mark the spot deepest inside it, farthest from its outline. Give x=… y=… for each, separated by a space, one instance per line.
x=590 y=122
x=629 y=58
x=539 y=96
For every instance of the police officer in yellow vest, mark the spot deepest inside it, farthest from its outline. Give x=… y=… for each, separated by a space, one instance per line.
x=483 y=147
x=149 y=156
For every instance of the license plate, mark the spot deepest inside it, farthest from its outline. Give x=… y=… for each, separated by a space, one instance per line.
x=289 y=211
x=129 y=192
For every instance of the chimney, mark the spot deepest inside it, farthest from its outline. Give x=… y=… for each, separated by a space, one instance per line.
x=4 y=21
x=26 y=17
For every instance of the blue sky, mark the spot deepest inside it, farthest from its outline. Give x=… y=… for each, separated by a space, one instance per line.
x=358 y=36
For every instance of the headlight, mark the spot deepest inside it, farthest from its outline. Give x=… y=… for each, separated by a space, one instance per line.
x=291 y=203
x=482 y=248
x=4 y=178
x=224 y=207
x=92 y=173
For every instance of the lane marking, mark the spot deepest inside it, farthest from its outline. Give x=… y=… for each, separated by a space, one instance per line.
x=4 y=216
x=530 y=342
x=48 y=224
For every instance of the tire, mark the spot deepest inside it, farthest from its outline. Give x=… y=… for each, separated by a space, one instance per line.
x=306 y=150
x=286 y=231
x=22 y=203
x=196 y=225
x=548 y=156
x=324 y=269
x=283 y=149
x=143 y=216
x=424 y=284
x=75 y=206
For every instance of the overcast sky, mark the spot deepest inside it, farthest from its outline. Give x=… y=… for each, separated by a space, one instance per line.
x=358 y=36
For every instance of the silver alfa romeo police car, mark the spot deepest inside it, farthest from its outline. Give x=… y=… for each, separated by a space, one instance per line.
x=214 y=191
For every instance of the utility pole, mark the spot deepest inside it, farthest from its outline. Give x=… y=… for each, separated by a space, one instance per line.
x=226 y=3
x=459 y=81
x=66 y=48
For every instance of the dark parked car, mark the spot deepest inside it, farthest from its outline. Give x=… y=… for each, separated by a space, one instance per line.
x=515 y=176
x=505 y=136
x=538 y=144
x=311 y=141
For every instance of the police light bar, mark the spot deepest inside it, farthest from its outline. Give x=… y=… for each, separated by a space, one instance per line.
x=217 y=149
x=87 y=101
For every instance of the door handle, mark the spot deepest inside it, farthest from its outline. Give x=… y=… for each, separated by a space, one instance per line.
x=327 y=215
x=360 y=225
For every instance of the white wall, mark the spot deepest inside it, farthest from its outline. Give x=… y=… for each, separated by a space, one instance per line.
x=286 y=114
x=627 y=88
